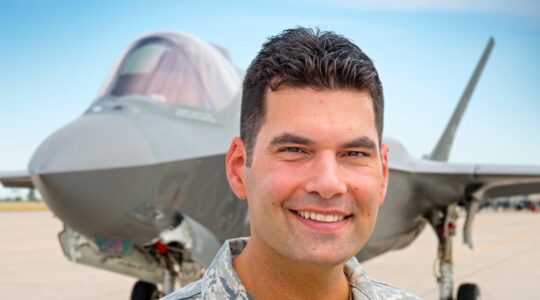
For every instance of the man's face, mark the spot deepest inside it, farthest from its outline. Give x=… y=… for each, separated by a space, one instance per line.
x=317 y=176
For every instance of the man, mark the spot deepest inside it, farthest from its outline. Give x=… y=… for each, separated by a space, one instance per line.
x=311 y=165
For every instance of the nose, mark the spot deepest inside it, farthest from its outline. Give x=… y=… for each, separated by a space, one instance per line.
x=325 y=177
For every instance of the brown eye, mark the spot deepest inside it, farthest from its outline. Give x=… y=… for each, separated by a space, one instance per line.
x=355 y=154
x=291 y=150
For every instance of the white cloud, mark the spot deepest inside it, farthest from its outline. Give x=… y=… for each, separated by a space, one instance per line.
x=522 y=7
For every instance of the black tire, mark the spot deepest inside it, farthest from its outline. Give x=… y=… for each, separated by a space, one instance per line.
x=143 y=290
x=468 y=291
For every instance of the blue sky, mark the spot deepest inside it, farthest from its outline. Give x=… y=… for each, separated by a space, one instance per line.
x=55 y=56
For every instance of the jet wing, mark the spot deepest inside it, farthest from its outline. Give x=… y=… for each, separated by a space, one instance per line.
x=16 y=179
x=506 y=181
x=446 y=183
x=481 y=180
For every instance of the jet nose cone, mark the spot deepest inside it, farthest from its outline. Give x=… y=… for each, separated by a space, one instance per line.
x=93 y=142
x=89 y=173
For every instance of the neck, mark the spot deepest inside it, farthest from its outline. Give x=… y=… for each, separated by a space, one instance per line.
x=268 y=275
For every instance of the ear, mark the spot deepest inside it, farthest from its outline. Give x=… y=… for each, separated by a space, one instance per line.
x=384 y=161
x=235 y=164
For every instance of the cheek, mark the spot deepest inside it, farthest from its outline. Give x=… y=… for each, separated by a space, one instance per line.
x=367 y=195
x=367 y=192
x=278 y=183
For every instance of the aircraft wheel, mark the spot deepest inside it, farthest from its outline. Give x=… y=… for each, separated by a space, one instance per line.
x=468 y=291
x=143 y=290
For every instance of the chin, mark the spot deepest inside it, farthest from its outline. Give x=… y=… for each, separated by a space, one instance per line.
x=326 y=261
x=326 y=258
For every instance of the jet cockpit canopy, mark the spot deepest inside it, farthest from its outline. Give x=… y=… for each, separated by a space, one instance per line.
x=177 y=69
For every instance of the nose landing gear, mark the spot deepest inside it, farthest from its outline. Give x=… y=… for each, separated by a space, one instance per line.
x=143 y=290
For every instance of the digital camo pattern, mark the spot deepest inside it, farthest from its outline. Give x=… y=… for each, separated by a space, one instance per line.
x=365 y=288
x=220 y=281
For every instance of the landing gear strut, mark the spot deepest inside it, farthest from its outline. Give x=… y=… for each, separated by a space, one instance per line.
x=168 y=282
x=170 y=273
x=446 y=230
x=444 y=224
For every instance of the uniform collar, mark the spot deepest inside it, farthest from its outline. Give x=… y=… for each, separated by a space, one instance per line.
x=221 y=277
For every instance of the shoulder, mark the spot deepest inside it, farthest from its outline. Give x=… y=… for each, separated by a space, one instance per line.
x=386 y=291
x=367 y=288
x=191 y=291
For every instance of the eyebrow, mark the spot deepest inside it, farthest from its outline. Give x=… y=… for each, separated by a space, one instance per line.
x=289 y=138
x=361 y=142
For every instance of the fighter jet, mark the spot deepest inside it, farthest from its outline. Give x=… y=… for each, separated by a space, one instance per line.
x=139 y=179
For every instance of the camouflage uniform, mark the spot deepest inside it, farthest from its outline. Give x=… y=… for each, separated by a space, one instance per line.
x=220 y=280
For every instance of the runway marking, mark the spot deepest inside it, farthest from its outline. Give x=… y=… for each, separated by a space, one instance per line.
x=23 y=206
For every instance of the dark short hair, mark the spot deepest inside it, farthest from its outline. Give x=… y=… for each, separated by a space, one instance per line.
x=304 y=57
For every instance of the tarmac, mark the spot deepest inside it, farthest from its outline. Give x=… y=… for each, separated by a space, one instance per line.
x=505 y=262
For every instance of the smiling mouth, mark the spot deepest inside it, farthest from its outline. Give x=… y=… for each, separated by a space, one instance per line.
x=326 y=218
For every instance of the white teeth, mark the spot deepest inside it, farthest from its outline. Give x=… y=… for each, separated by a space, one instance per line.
x=319 y=217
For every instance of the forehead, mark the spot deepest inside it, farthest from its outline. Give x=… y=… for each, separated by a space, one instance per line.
x=307 y=110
